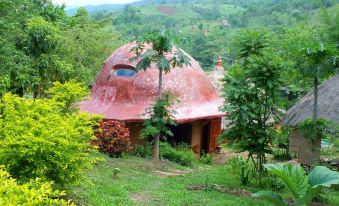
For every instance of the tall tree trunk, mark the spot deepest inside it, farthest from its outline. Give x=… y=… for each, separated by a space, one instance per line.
x=261 y=161
x=156 y=146
x=160 y=84
x=316 y=143
x=20 y=91
x=315 y=103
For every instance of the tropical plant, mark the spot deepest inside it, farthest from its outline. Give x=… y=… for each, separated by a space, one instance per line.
x=319 y=62
x=304 y=188
x=157 y=47
x=112 y=138
x=252 y=100
x=161 y=115
x=243 y=168
x=35 y=192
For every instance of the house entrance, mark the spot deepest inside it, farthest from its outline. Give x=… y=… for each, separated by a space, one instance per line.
x=182 y=133
x=205 y=139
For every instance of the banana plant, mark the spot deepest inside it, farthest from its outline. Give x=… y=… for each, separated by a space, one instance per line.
x=304 y=188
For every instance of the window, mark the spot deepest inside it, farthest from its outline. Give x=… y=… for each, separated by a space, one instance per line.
x=123 y=72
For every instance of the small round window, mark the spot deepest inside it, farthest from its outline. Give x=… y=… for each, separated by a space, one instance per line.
x=123 y=72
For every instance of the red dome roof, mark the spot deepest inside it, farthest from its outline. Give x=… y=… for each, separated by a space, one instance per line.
x=126 y=97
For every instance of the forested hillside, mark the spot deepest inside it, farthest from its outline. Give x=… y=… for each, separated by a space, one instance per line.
x=75 y=46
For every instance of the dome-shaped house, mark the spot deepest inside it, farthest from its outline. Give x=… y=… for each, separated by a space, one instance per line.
x=121 y=93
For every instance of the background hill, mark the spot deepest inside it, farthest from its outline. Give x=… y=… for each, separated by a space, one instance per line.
x=99 y=8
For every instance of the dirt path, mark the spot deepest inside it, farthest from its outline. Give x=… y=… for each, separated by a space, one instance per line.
x=227 y=154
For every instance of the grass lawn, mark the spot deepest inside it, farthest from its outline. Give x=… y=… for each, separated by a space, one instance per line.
x=148 y=182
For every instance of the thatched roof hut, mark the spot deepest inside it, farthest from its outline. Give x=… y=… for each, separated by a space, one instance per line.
x=328 y=104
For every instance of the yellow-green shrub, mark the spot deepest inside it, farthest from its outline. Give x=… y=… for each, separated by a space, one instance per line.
x=35 y=192
x=38 y=139
x=68 y=93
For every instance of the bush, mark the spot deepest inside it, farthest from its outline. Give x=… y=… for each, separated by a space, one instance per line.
x=37 y=139
x=34 y=192
x=112 y=138
x=243 y=168
x=206 y=159
x=143 y=150
x=182 y=154
x=68 y=93
x=281 y=144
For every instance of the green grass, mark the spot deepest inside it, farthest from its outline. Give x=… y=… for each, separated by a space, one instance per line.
x=224 y=9
x=138 y=184
x=182 y=13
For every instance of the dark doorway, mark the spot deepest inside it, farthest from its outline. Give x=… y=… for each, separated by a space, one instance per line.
x=182 y=133
x=205 y=138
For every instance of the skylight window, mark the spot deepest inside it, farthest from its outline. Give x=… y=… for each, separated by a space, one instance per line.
x=123 y=72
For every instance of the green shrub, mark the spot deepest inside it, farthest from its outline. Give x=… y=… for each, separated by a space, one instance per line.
x=281 y=144
x=112 y=138
x=35 y=192
x=206 y=159
x=143 y=150
x=68 y=93
x=37 y=139
x=243 y=168
x=181 y=154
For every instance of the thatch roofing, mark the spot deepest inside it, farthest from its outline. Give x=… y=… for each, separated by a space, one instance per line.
x=328 y=104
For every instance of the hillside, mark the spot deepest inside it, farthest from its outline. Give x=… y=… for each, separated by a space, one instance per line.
x=99 y=8
x=210 y=25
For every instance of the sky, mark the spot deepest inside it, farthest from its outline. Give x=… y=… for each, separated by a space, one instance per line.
x=91 y=2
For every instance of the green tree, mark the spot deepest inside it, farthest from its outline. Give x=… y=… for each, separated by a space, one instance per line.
x=157 y=47
x=85 y=44
x=160 y=118
x=252 y=97
x=329 y=24
x=319 y=62
x=42 y=39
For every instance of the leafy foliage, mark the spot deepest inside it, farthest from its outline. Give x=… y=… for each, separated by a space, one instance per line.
x=39 y=140
x=160 y=117
x=35 y=192
x=41 y=45
x=252 y=98
x=243 y=168
x=157 y=47
x=143 y=150
x=206 y=159
x=112 y=138
x=281 y=143
x=68 y=93
x=162 y=44
x=323 y=128
x=304 y=188
x=181 y=154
